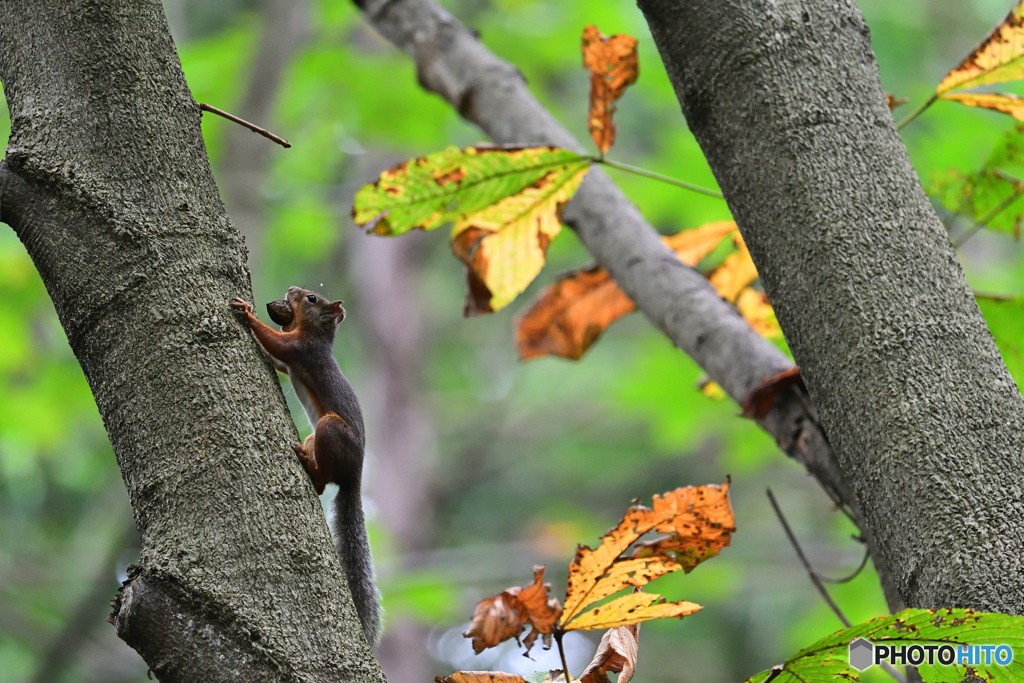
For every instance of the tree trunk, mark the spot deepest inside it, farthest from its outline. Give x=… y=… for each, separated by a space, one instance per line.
x=107 y=183
x=928 y=426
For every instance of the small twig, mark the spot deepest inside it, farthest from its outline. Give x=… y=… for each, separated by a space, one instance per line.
x=657 y=176
x=817 y=581
x=804 y=561
x=993 y=296
x=561 y=653
x=917 y=112
x=981 y=222
x=242 y=122
x=853 y=575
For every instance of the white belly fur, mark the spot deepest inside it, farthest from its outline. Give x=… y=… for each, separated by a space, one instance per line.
x=307 y=405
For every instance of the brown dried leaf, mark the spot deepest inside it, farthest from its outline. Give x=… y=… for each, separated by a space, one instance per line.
x=698 y=515
x=616 y=653
x=613 y=66
x=542 y=610
x=736 y=272
x=480 y=677
x=570 y=315
x=505 y=615
x=761 y=400
x=632 y=609
x=894 y=101
x=497 y=619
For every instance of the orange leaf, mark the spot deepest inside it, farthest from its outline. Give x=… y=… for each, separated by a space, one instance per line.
x=616 y=653
x=570 y=315
x=496 y=619
x=632 y=608
x=700 y=516
x=1007 y=104
x=735 y=273
x=613 y=67
x=761 y=400
x=480 y=677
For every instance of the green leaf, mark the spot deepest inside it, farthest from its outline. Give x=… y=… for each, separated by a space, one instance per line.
x=1006 y=322
x=990 y=196
x=505 y=205
x=449 y=186
x=828 y=659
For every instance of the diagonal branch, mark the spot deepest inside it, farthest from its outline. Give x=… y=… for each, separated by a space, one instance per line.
x=492 y=93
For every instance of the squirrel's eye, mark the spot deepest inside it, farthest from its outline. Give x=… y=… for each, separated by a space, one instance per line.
x=312 y=298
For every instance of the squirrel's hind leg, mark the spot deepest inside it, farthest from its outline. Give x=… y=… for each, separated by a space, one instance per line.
x=317 y=470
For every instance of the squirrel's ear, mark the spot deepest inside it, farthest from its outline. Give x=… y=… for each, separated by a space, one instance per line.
x=339 y=312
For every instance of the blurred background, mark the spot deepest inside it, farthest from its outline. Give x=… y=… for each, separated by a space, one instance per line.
x=479 y=465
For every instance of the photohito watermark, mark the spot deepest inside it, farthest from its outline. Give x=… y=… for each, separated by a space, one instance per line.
x=865 y=654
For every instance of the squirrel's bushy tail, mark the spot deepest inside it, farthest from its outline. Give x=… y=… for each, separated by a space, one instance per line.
x=354 y=552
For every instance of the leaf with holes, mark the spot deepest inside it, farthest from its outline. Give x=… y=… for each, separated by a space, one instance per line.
x=504 y=205
x=698 y=523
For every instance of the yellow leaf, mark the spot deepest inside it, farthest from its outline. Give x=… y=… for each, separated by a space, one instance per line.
x=997 y=59
x=756 y=310
x=735 y=273
x=1007 y=104
x=694 y=516
x=505 y=244
x=631 y=609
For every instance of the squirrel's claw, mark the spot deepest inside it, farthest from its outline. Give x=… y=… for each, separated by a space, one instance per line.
x=299 y=449
x=241 y=305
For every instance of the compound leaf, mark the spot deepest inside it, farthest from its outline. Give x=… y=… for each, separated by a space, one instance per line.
x=997 y=59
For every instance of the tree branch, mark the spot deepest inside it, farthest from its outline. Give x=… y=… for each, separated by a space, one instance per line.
x=678 y=300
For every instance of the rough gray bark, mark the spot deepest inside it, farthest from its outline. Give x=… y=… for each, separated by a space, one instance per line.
x=785 y=100
x=452 y=62
x=107 y=183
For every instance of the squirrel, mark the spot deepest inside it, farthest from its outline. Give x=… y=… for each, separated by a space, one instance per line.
x=303 y=350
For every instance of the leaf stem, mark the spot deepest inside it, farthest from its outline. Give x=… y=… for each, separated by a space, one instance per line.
x=657 y=176
x=561 y=653
x=917 y=112
x=980 y=223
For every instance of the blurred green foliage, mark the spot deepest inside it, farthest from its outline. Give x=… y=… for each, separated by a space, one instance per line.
x=533 y=458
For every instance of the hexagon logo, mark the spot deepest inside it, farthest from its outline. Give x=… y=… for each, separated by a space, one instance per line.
x=862 y=654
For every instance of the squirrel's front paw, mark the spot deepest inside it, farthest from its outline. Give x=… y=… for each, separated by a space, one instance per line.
x=299 y=449
x=241 y=305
